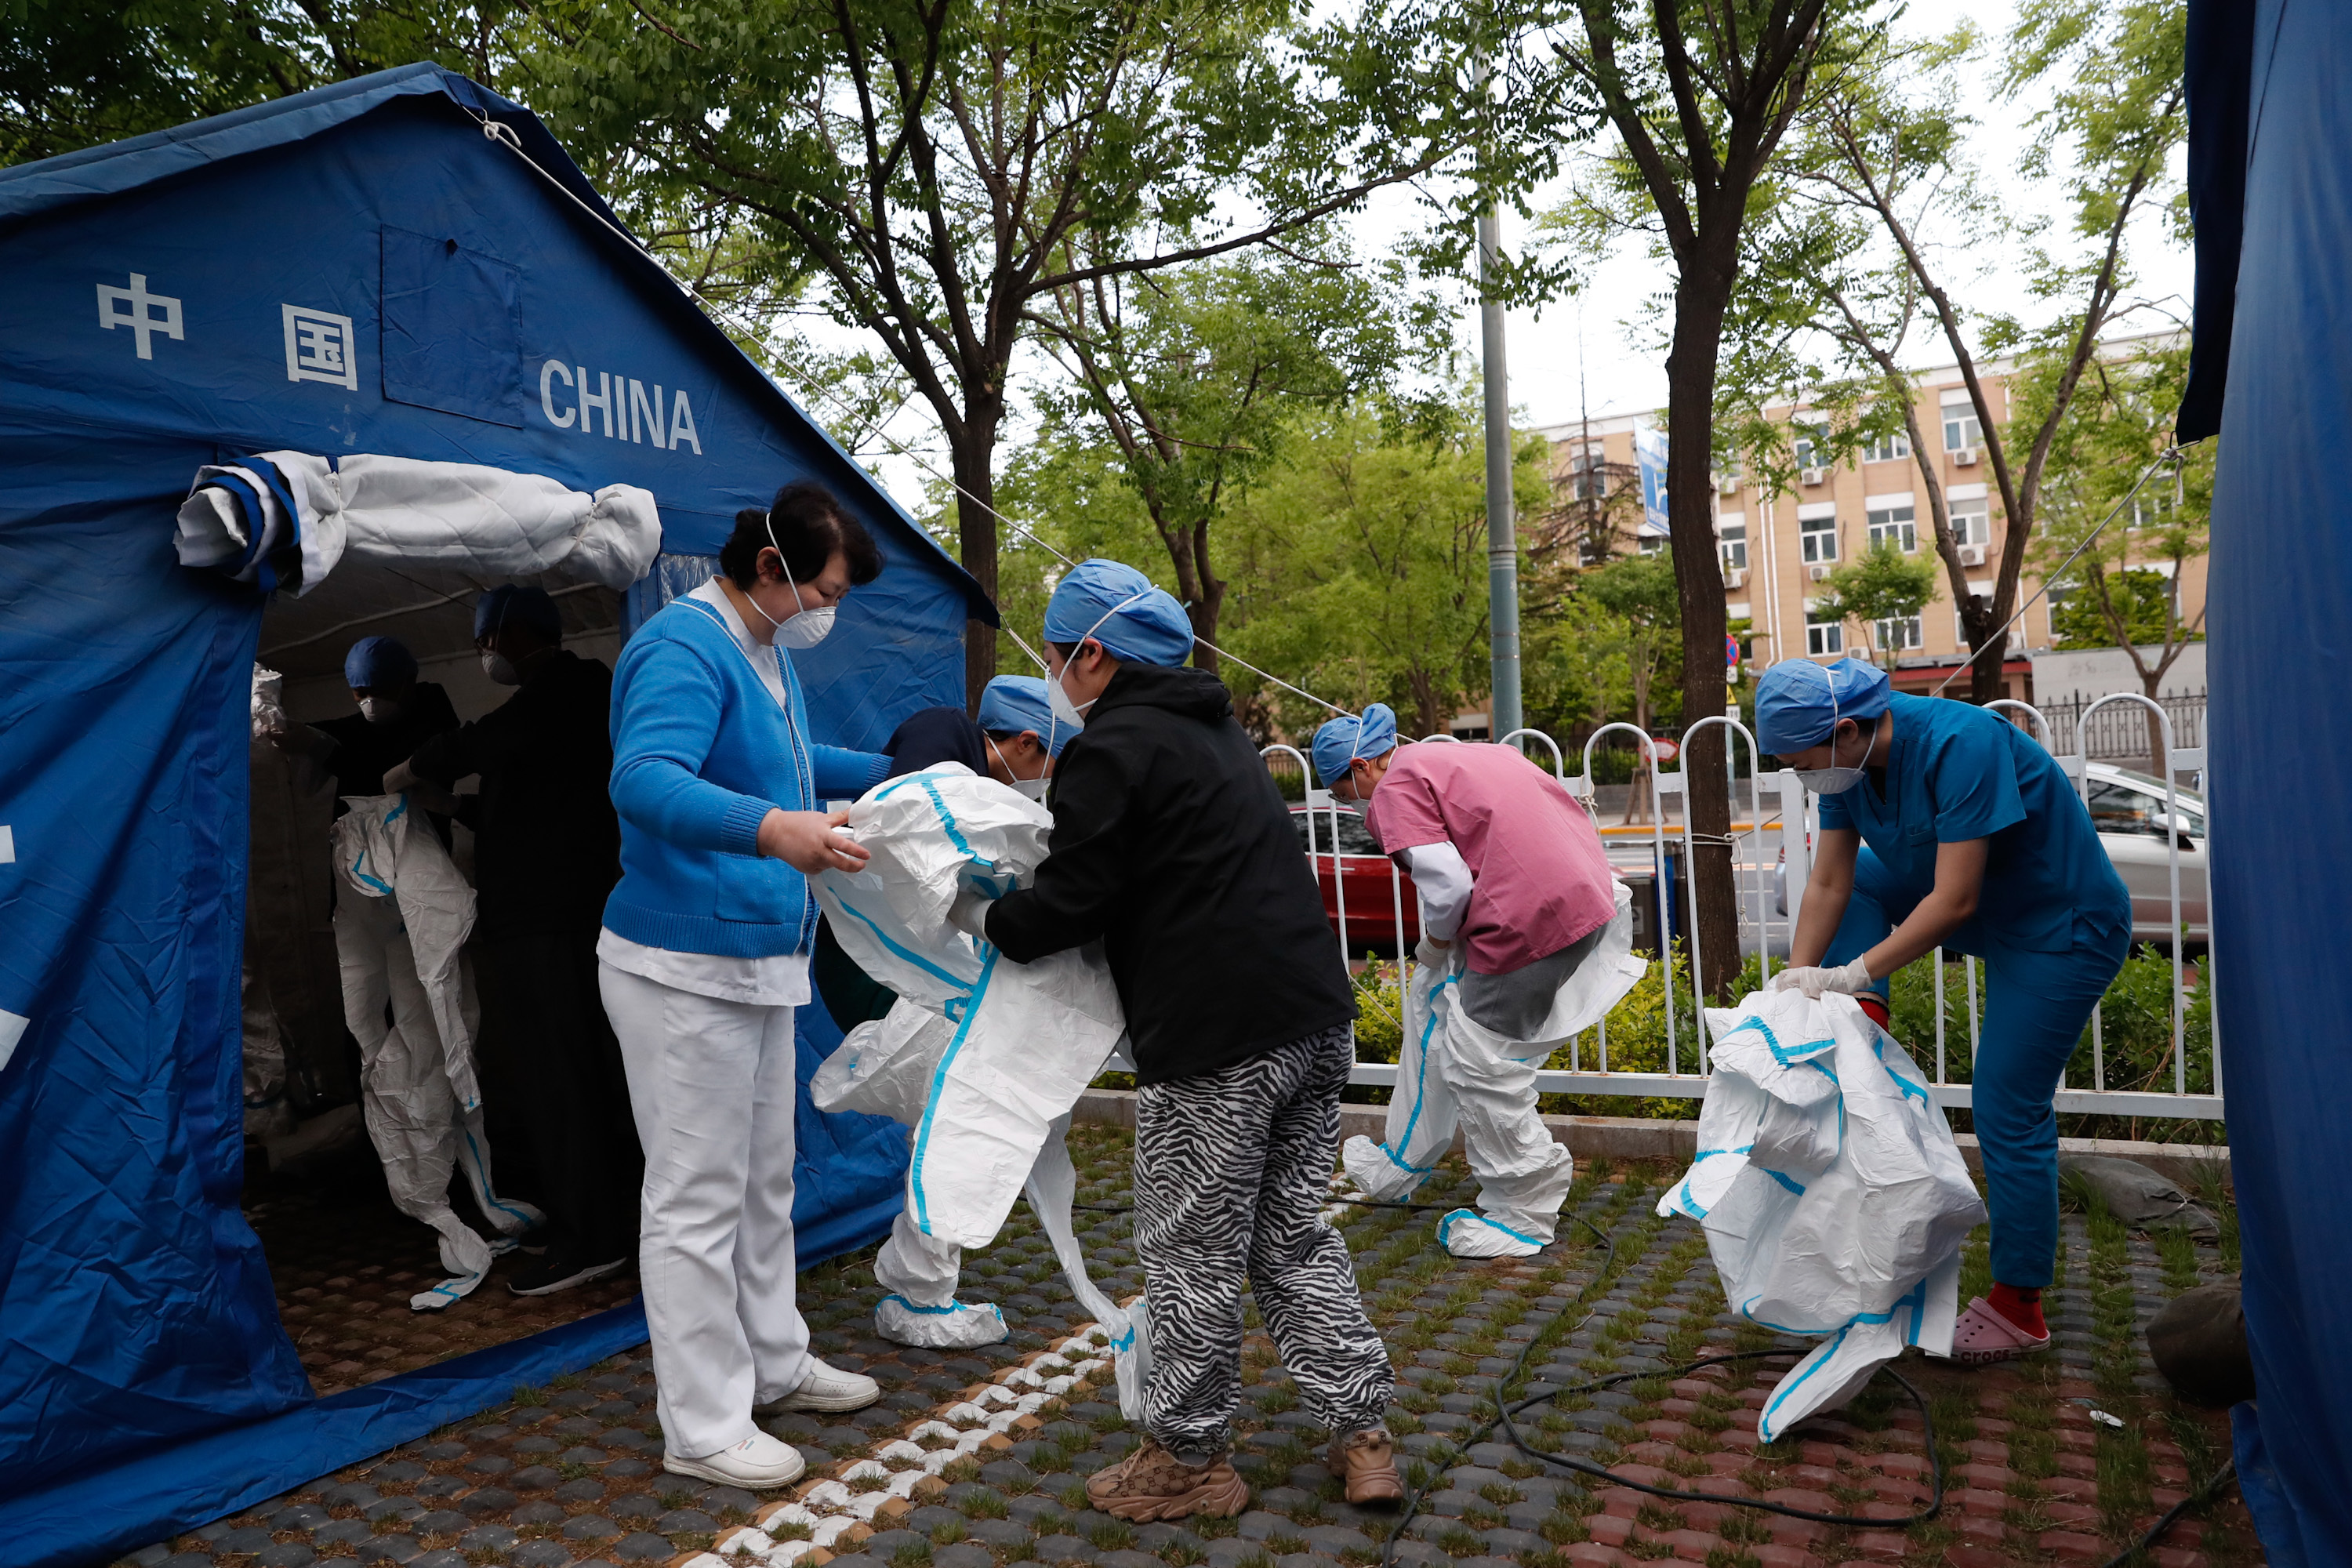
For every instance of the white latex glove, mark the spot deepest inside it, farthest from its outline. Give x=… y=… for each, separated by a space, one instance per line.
x=1432 y=953
x=1850 y=979
x=969 y=914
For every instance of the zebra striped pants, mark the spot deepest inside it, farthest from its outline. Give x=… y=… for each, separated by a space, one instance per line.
x=1231 y=1170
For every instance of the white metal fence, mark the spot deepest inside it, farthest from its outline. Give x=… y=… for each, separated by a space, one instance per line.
x=1778 y=833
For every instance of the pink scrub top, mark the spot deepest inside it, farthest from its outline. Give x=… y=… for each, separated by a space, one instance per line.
x=1540 y=879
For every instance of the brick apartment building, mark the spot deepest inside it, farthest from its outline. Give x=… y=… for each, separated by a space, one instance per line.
x=1776 y=549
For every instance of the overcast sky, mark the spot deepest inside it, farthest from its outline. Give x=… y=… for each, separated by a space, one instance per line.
x=1594 y=351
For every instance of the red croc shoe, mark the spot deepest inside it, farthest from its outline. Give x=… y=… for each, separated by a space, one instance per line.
x=1982 y=1335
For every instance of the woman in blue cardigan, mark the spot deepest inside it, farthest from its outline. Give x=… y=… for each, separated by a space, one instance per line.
x=704 y=955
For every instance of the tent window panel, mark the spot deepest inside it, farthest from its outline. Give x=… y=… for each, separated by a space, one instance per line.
x=453 y=330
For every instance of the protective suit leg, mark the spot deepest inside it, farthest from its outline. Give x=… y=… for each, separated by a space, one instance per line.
x=919 y=1274
x=1523 y=1173
x=1422 y=1111
x=405 y=1097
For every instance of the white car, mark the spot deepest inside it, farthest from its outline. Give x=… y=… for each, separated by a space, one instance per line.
x=2127 y=808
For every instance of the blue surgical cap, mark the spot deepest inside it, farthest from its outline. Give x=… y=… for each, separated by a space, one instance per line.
x=1012 y=703
x=1799 y=703
x=520 y=606
x=1343 y=740
x=1151 y=629
x=378 y=661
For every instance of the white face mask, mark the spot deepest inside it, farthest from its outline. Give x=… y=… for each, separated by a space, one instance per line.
x=379 y=709
x=500 y=669
x=809 y=627
x=1033 y=788
x=1058 y=696
x=1835 y=780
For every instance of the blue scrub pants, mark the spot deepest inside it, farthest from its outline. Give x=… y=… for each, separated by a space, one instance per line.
x=2036 y=1007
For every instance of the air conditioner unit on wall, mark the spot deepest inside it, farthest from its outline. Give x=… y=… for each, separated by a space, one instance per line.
x=1819 y=573
x=1821 y=476
x=1972 y=555
x=1726 y=484
x=1735 y=578
x=1966 y=458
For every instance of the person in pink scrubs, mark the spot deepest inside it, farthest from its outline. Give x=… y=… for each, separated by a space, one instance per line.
x=1518 y=905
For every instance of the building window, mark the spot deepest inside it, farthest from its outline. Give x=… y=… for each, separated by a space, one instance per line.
x=1809 y=447
x=1650 y=543
x=1824 y=634
x=1895 y=525
x=1887 y=448
x=1972 y=522
x=1962 y=432
x=1899 y=634
x=1588 y=475
x=1734 y=536
x=1817 y=536
x=2152 y=509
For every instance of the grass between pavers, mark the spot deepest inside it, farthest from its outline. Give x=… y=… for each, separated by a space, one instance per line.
x=1664 y=1308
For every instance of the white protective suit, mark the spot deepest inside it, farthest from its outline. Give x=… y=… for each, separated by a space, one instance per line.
x=1834 y=1197
x=402 y=916
x=981 y=1056
x=1453 y=1072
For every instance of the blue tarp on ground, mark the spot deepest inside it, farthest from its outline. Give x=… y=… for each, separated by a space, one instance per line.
x=165 y=306
x=2269 y=122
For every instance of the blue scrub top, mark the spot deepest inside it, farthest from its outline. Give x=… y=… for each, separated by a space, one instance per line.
x=1959 y=771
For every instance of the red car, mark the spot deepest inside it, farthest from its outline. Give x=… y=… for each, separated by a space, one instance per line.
x=1375 y=886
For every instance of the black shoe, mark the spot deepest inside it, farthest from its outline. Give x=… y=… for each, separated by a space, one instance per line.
x=559 y=1270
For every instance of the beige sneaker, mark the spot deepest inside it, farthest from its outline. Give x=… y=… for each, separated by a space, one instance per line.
x=1152 y=1483
x=1366 y=1460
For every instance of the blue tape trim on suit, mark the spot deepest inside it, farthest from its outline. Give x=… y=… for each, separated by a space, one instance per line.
x=931 y=1102
x=1420 y=1079
x=917 y=958
x=1779 y=1178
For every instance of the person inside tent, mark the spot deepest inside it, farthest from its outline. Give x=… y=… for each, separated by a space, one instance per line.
x=1944 y=825
x=1520 y=906
x=546 y=852
x=1024 y=739
x=1171 y=846
x=397 y=713
x=704 y=955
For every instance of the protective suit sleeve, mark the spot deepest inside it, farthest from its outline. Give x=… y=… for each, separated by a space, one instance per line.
x=1084 y=875
x=660 y=741
x=843 y=774
x=1442 y=880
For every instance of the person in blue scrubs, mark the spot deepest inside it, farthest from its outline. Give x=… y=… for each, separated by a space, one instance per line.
x=1943 y=824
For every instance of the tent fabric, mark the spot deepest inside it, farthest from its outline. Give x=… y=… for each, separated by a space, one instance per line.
x=2281 y=578
x=138 y=345
x=2219 y=61
x=94 y=1519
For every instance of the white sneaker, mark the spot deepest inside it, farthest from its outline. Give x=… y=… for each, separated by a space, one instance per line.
x=828 y=1388
x=759 y=1461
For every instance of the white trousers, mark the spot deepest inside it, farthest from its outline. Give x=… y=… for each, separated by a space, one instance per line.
x=713 y=1088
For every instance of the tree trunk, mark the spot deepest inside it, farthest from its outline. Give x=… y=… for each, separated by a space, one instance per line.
x=972 y=456
x=1984 y=671
x=1699 y=306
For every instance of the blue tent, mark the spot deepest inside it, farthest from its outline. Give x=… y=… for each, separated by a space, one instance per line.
x=404 y=265
x=2272 y=191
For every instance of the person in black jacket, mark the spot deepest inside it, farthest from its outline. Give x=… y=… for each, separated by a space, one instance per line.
x=1171 y=846
x=547 y=850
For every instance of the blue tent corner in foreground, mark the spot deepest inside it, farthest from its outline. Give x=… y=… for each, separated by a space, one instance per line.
x=2271 y=190
x=360 y=270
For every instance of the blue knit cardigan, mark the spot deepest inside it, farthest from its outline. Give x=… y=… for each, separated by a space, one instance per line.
x=701 y=754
